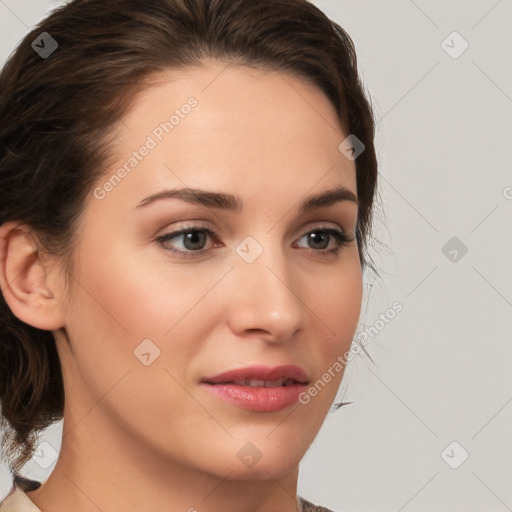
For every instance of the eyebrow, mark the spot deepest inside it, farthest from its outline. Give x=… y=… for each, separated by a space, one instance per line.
x=232 y=203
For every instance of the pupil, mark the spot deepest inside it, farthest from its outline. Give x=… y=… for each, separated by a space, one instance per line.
x=190 y=237
x=315 y=236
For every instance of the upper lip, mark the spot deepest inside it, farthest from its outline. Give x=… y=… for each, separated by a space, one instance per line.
x=260 y=372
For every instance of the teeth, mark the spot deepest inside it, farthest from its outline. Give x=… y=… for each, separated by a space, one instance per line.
x=257 y=383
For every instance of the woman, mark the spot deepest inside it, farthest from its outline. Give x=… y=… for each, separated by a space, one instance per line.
x=186 y=194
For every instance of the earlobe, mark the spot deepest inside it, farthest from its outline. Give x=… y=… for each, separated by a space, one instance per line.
x=24 y=279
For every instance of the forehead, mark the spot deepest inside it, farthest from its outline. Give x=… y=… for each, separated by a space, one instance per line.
x=233 y=127
x=227 y=83
x=232 y=97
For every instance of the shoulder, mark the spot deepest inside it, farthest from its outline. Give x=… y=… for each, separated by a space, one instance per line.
x=17 y=500
x=307 y=506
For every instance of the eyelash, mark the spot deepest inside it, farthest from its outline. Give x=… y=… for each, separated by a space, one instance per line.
x=341 y=238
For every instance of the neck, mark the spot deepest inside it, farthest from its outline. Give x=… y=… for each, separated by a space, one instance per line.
x=103 y=470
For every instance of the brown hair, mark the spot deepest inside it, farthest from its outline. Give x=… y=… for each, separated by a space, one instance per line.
x=56 y=113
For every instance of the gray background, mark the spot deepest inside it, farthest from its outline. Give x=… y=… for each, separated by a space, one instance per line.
x=441 y=368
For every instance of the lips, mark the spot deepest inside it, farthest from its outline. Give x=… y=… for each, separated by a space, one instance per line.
x=258 y=388
x=260 y=376
x=258 y=383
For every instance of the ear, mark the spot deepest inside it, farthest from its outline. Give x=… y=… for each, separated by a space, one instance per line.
x=25 y=278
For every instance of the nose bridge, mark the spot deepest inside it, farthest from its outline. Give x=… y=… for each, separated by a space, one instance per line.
x=267 y=290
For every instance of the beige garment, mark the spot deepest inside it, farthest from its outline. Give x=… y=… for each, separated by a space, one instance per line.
x=18 y=501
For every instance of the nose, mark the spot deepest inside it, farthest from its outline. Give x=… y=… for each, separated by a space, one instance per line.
x=266 y=298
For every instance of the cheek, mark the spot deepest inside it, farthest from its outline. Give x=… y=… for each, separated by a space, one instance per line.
x=336 y=309
x=116 y=308
x=124 y=300
x=338 y=306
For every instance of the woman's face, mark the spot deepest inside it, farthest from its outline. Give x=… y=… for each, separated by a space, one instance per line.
x=257 y=284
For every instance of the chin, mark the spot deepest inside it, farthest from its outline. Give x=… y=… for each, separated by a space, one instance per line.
x=274 y=468
x=274 y=456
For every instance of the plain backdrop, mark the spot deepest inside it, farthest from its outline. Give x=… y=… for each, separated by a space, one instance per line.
x=429 y=428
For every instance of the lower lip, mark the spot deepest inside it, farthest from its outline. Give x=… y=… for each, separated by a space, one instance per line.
x=257 y=399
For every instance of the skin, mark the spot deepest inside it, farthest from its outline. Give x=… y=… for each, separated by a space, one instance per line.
x=142 y=437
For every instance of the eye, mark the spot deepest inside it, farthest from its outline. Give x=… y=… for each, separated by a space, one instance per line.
x=193 y=239
x=321 y=237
